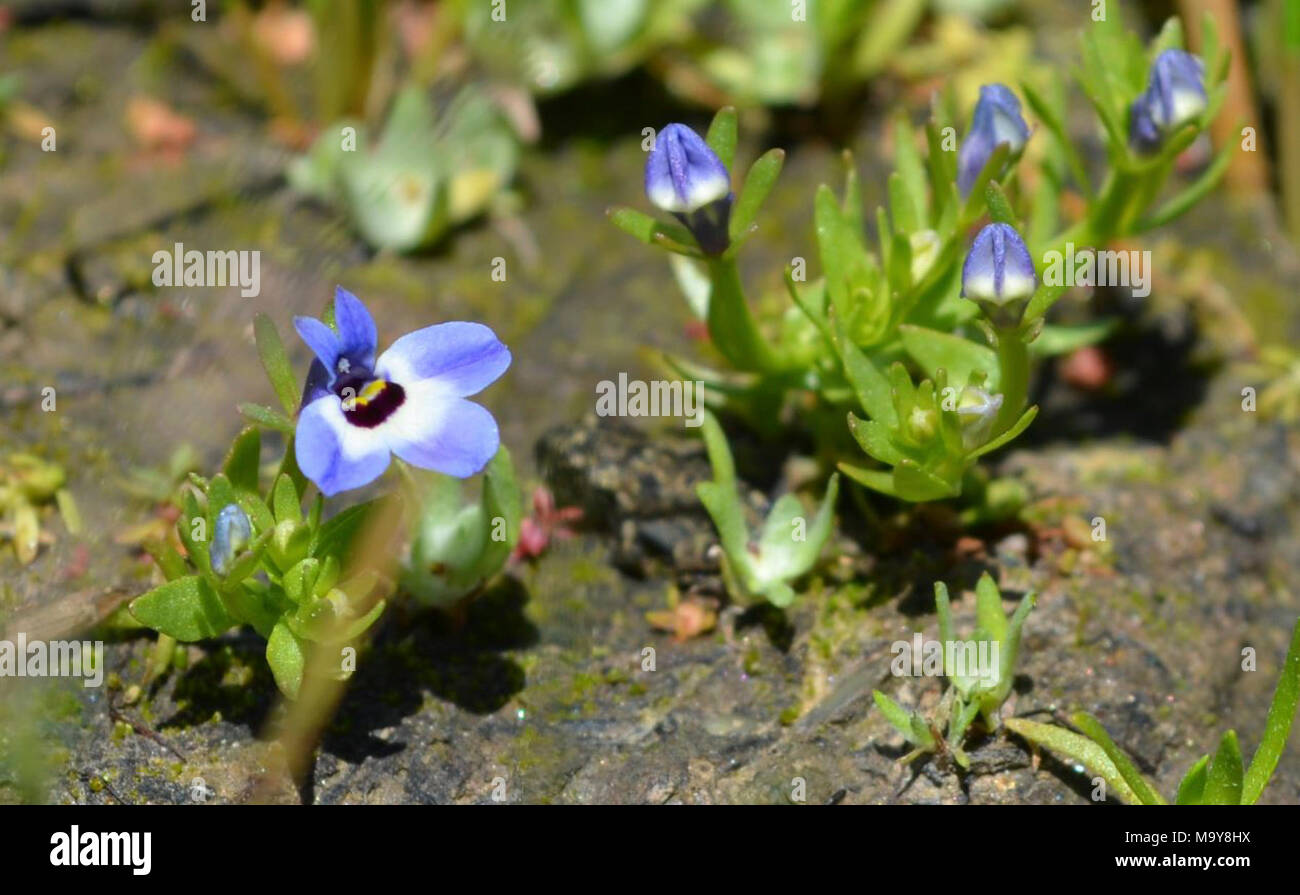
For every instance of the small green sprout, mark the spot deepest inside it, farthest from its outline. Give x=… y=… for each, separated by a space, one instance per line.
x=424 y=175
x=26 y=484
x=1221 y=780
x=972 y=692
x=786 y=549
x=458 y=548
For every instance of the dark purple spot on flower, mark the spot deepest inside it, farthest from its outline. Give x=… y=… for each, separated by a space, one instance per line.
x=369 y=403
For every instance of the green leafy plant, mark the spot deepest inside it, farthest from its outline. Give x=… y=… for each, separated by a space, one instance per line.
x=252 y=556
x=919 y=341
x=1221 y=780
x=424 y=175
x=972 y=693
x=787 y=547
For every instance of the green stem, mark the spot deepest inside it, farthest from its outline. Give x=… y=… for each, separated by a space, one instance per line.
x=1013 y=362
x=731 y=326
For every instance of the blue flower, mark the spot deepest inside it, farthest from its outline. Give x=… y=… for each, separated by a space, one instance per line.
x=1174 y=96
x=357 y=410
x=232 y=533
x=997 y=120
x=685 y=177
x=998 y=271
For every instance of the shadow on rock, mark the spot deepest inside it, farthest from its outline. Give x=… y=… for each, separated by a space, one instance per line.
x=1154 y=383
x=232 y=679
x=457 y=657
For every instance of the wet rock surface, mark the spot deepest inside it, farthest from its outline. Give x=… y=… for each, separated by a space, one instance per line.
x=553 y=687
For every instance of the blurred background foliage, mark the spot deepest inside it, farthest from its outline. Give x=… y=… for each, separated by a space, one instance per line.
x=443 y=94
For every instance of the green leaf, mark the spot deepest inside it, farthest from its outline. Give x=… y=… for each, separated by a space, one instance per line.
x=1277 y=728
x=336 y=534
x=187 y=609
x=246 y=562
x=276 y=362
x=935 y=351
x=1011 y=649
x=943 y=609
x=903 y=721
x=911 y=174
x=873 y=438
x=652 y=232
x=988 y=608
x=902 y=207
x=876 y=479
x=285 y=501
x=1054 y=340
x=1223 y=779
x=242 y=461
x=758 y=184
x=266 y=417
x=722 y=135
x=1132 y=776
x=1053 y=119
x=732 y=327
x=1191 y=791
x=919 y=485
x=196 y=548
x=1073 y=747
x=1044 y=298
x=286 y=653
x=869 y=384
x=715 y=443
x=501 y=500
x=844 y=257
x=300 y=581
x=1008 y=436
x=942 y=165
x=999 y=206
x=258 y=512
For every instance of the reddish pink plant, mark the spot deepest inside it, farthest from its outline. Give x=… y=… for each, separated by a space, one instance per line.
x=546 y=522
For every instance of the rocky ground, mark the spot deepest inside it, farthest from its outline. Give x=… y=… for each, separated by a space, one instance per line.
x=543 y=693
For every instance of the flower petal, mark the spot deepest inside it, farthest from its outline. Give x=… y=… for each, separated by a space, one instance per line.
x=998 y=267
x=435 y=430
x=464 y=357
x=322 y=341
x=317 y=384
x=682 y=173
x=334 y=454
x=358 y=338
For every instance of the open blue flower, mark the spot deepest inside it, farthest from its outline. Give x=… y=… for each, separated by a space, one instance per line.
x=1174 y=96
x=999 y=272
x=358 y=410
x=685 y=177
x=997 y=120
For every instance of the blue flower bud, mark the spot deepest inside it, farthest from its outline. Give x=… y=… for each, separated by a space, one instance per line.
x=999 y=273
x=233 y=532
x=1174 y=96
x=685 y=177
x=997 y=120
